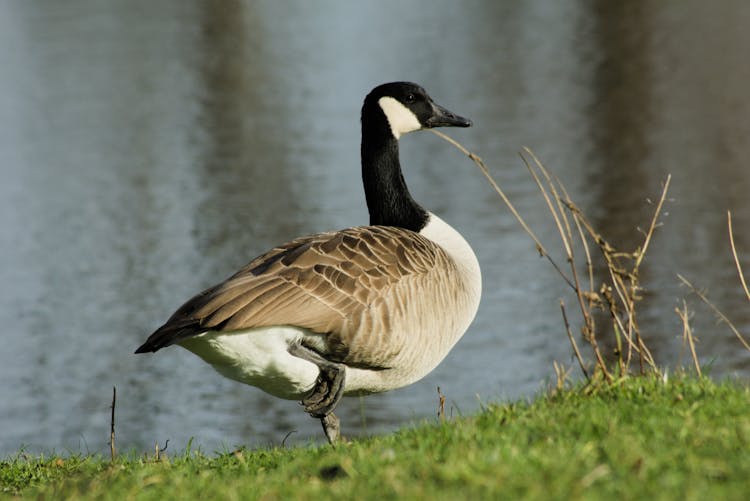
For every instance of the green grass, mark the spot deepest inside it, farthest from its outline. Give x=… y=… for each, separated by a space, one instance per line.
x=640 y=438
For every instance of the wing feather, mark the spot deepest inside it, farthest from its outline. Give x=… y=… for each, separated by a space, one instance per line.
x=330 y=283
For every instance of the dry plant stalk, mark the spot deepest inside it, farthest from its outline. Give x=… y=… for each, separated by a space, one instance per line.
x=159 y=451
x=734 y=255
x=441 y=405
x=573 y=341
x=702 y=296
x=112 y=425
x=480 y=163
x=623 y=269
x=687 y=335
x=561 y=376
x=618 y=296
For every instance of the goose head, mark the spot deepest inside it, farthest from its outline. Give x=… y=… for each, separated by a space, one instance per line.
x=389 y=111
x=407 y=107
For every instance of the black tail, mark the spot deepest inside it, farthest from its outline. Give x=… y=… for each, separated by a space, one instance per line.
x=175 y=330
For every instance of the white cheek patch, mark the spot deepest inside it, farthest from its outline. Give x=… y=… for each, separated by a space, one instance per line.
x=400 y=118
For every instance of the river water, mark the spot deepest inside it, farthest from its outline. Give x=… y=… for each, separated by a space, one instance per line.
x=149 y=149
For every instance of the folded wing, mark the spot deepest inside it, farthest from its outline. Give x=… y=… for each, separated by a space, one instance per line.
x=328 y=283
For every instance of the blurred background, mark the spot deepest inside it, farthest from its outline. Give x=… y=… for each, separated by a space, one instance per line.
x=149 y=149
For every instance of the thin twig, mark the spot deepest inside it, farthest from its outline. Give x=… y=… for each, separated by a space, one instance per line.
x=566 y=235
x=573 y=341
x=582 y=236
x=734 y=254
x=159 y=450
x=112 y=425
x=441 y=405
x=550 y=205
x=623 y=267
x=615 y=272
x=561 y=373
x=716 y=310
x=617 y=320
x=485 y=171
x=654 y=221
x=628 y=294
x=640 y=254
x=687 y=334
x=289 y=433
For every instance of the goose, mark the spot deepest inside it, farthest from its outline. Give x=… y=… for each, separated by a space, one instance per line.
x=352 y=312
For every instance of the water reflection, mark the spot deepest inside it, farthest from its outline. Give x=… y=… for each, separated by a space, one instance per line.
x=148 y=151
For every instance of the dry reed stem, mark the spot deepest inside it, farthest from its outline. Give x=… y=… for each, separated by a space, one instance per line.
x=642 y=252
x=550 y=206
x=584 y=241
x=734 y=254
x=687 y=335
x=561 y=375
x=158 y=451
x=627 y=293
x=608 y=252
x=564 y=229
x=480 y=163
x=624 y=279
x=716 y=310
x=573 y=342
x=441 y=405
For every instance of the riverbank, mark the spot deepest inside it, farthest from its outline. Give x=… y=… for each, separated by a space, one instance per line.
x=679 y=438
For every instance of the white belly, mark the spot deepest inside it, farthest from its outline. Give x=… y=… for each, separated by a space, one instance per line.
x=260 y=357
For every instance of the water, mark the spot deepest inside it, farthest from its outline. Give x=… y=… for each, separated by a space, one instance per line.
x=148 y=150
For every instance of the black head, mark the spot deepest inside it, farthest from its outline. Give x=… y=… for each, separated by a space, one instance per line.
x=407 y=107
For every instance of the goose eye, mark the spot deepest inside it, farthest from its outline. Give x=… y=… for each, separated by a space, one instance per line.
x=410 y=98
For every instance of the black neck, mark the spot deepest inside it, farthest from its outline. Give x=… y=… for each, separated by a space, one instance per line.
x=388 y=198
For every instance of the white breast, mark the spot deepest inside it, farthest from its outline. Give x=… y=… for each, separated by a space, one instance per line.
x=458 y=249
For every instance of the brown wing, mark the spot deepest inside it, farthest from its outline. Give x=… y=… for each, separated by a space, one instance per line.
x=325 y=283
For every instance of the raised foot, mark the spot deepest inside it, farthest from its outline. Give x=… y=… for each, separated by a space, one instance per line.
x=328 y=390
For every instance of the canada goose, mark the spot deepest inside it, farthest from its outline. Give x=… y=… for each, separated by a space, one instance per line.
x=351 y=312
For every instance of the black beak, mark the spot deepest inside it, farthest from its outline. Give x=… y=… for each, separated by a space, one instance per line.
x=444 y=118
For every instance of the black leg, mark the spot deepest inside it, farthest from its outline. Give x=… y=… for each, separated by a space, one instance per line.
x=331 y=427
x=328 y=390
